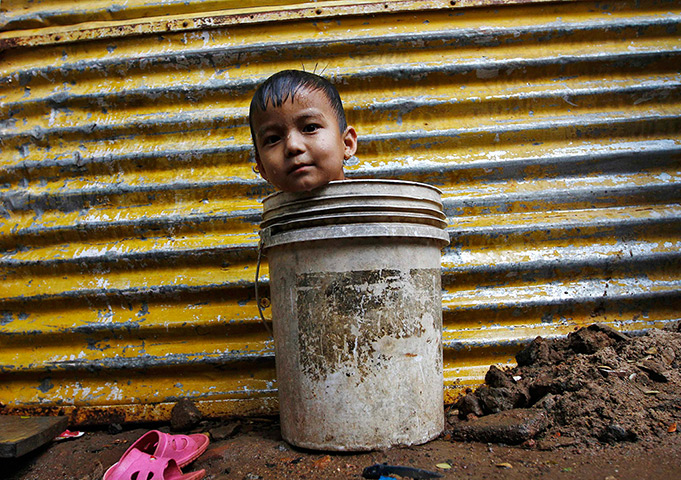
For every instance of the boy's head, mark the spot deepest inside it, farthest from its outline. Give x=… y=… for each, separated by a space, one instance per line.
x=299 y=131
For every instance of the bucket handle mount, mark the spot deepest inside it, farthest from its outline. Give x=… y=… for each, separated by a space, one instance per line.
x=258 y=300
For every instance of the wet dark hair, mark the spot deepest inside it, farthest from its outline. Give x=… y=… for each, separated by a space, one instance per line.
x=284 y=85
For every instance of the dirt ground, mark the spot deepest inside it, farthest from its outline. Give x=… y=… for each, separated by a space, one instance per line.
x=596 y=405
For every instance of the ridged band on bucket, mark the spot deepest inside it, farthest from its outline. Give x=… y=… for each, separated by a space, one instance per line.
x=357 y=313
x=353 y=193
x=355 y=231
x=390 y=208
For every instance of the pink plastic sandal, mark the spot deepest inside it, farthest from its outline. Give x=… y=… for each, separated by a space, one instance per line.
x=137 y=465
x=184 y=449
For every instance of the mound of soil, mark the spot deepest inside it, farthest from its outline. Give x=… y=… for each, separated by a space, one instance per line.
x=597 y=384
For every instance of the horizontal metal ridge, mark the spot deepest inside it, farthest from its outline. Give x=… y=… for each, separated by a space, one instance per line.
x=72 y=200
x=519 y=342
x=239 y=119
x=617 y=224
x=144 y=361
x=606 y=119
x=613 y=224
x=18 y=198
x=612 y=263
x=110 y=257
x=243 y=85
x=524 y=297
x=649 y=152
x=407 y=104
x=248 y=217
x=139 y=291
x=478 y=37
x=566 y=196
x=180 y=121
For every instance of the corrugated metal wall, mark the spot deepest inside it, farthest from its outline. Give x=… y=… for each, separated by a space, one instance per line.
x=27 y=14
x=130 y=212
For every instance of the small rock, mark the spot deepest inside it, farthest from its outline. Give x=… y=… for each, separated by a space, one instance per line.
x=667 y=355
x=615 y=433
x=495 y=400
x=536 y=352
x=216 y=452
x=540 y=386
x=510 y=427
x=547 y=402
x=184 y=416
x=469 y=404
x=115 y=428
x=609 y=331
x=322 y=462
x=497 y=378
x=224 y=431
x=553 y=443
x=529 y=444
x=589 y=341
x=655 y=370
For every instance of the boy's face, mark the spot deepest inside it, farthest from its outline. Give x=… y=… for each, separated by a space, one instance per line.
x=299 y=144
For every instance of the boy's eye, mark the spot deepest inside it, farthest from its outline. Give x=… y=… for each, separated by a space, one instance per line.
x=310 y=127
x=270 y=139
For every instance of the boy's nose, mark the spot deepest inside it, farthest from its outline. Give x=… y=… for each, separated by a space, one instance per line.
x=294 y=144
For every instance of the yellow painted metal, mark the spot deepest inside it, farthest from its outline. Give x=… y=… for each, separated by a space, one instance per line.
x=128 y=227
x=68 y=25
x=88 y=21
x=25 y=14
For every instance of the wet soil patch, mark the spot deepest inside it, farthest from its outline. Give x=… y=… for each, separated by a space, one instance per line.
x=596 y=385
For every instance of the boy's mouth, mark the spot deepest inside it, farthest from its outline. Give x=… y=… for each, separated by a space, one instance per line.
x=299 y=167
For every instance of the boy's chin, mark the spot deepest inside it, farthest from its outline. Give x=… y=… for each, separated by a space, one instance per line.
x=306 y=185
x=303 y=188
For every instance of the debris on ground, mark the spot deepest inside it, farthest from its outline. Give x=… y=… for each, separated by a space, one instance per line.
x=383 y=470
x=184 y=416
x=222 y=432
x=511 y=427
x=68 y=434
x=598 y=384
x=22 y=434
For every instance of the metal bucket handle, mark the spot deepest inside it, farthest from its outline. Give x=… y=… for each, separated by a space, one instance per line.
x=257 y=294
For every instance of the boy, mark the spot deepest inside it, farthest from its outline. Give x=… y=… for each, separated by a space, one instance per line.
x=299 y=131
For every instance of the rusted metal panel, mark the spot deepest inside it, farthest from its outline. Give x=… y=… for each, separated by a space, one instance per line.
x=59 y=26
x=28 y=14
x=130 y=211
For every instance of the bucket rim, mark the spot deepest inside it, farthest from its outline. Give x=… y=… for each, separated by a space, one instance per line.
x=308 y=205
x=354 y=181
x=330 y=233
x=312 y=208
x=354 y=218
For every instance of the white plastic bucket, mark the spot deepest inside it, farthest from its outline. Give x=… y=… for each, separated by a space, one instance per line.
x=356 y=309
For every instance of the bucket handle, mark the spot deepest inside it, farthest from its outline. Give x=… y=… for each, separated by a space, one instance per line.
x=257 y=295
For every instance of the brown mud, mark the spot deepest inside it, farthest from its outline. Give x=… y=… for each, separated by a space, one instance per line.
x=595 y=405
x=596 y=385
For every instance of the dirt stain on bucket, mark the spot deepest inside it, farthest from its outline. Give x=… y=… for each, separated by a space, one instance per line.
x=344 y=315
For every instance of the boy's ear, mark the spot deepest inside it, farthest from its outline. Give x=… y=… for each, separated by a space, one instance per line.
x=350 y=142
x=258 y=166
